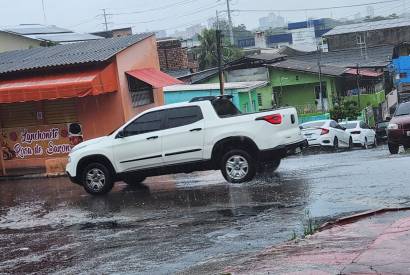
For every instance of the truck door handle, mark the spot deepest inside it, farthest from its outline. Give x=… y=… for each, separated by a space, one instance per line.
x=153 y=137
x=196 y=130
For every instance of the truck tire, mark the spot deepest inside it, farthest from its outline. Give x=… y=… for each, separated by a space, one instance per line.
x=97 y=179
x=269 y=167
x=393 y=148
x=238 y=166
x=134 y=180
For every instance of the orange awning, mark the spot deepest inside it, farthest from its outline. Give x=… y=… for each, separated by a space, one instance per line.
x=57 y=86
x=154 y=77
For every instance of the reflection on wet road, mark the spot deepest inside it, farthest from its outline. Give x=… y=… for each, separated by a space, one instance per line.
x=189 y=223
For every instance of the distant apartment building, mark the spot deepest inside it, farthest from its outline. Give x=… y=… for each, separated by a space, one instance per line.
x=303 y=35
x=271 y=21
x=368 y=34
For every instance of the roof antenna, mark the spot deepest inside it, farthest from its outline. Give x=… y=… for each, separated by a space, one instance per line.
x=44 y=12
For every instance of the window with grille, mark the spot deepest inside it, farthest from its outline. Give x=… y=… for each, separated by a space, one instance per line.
x=141 y=92
x=260 y=100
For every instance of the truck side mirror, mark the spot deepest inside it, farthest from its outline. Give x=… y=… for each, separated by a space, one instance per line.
x=121 y=134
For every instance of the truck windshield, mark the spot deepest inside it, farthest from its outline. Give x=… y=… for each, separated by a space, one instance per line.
x=403 y=109
x=225 y=108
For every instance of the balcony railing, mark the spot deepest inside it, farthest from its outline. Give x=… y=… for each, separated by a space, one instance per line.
x=366 y=90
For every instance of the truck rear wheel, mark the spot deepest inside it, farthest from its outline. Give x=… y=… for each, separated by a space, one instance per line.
x=270 y=167
x=97 y=179
x=134 y=180
x=393 y=148
x=238 y=166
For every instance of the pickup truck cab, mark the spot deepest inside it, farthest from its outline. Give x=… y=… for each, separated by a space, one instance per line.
x=204 y=134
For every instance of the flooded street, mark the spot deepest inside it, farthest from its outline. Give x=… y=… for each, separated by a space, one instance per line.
x=193 y=223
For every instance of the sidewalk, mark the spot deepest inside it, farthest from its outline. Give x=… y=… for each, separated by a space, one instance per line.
x=377 y=243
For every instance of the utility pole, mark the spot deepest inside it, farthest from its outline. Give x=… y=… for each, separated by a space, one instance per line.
x=105 y=20
x=44 y=12
x=219 y=54
x=320 y=78
x=358 y=85
x=230 y=22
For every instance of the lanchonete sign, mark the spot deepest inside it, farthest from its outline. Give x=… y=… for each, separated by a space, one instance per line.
x=40 y=141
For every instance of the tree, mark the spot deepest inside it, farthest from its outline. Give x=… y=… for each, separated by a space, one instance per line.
x=207 y=50
x=346 y=110
x=239 y=32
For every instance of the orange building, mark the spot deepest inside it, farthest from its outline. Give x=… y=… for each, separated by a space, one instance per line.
x=53 y=98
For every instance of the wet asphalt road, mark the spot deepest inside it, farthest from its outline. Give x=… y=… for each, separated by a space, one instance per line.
x=188 y=223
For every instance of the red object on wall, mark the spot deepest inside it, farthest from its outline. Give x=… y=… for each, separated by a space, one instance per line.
x=154 y=77
x=57 y=86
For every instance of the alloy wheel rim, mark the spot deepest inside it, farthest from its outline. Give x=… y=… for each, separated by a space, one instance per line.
x=237 y=167
x=95 y=179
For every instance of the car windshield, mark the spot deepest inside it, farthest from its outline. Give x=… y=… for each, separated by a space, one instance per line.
x=403 y=109
x=316 y=124
x=349 y=125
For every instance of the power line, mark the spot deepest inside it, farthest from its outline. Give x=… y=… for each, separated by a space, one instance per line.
x=171 y=17
x=316 y=9
x=158 y=8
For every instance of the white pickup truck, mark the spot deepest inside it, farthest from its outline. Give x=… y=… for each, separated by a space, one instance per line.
x=204 y=134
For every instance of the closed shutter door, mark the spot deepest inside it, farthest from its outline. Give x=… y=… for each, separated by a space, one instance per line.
x=18 y=115
x=60 y=111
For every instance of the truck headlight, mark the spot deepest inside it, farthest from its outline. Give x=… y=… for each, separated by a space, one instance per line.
x=392 y=126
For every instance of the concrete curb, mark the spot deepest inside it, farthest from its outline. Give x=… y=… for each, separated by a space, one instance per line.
x=359 y=216
x=33 y=176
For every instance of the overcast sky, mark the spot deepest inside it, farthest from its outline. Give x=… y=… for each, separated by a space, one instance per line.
x=85 y=15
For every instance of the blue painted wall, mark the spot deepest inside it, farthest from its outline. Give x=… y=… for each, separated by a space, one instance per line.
x=184 y=96
x=401 y=66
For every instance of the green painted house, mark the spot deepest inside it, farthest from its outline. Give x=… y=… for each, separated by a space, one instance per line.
x=296 y=83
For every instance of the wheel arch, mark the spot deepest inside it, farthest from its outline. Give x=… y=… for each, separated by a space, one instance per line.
x=83 y=162
x=235 y=142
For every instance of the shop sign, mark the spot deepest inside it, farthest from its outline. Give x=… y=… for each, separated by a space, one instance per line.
x=45 y=141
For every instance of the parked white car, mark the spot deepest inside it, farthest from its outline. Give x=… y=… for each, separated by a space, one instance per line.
x=326 y=133
x=361 y=133
x=204 y=134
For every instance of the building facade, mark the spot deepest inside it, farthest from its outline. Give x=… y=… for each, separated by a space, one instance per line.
x=368 y=34
x=245 y=96
x=54 y=98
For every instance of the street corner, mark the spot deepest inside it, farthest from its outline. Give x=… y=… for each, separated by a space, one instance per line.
x=377 y=243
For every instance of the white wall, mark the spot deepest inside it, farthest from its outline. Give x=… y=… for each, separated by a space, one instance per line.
x=11 y=42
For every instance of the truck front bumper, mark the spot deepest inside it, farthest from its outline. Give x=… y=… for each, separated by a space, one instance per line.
x=282 y=151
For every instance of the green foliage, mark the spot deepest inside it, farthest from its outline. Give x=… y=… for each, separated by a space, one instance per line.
x=310 y=225
x=207 y=53
x=346 y=110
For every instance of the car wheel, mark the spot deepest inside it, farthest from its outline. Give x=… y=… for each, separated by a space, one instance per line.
x=336 y=144
x=97 y=179
x=365 y=144
x=134 y=180
x=238 y=166
x=393 y=148
x=270 y=167
x=350 y=143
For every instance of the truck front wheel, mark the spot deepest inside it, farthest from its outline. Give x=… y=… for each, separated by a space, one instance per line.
x=238 y=166
x=97 y=179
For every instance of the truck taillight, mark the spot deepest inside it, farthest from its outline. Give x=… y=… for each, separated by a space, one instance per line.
x=272 y=119
x=324 y=131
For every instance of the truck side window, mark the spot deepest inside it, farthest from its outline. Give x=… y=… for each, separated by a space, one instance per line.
x=149 y=122
x=225 y=108
x=178 y=117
